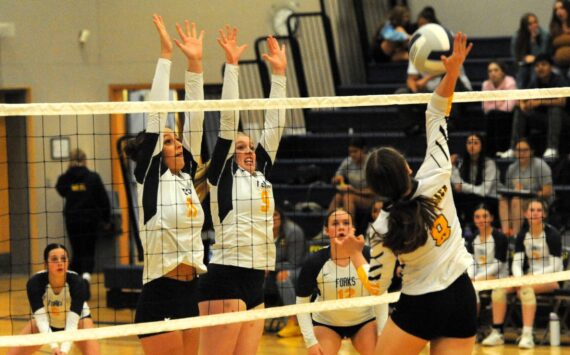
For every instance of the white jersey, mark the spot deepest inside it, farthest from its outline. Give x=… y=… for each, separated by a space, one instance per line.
x=541 y=254
x=58 y=305
x=170 y=216
x=490 y=256
x=242 y=203
x=443 y=258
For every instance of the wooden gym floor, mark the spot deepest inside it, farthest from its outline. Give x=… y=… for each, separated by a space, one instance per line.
x=14 y=313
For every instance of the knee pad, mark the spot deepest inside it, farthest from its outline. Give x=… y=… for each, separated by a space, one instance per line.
x=527 y=296
x=499 y=295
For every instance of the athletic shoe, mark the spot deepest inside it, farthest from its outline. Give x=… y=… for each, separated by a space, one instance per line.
x=526 y=341
x=493 y=339
x=289 y=331
x=550 y=153
x=506 y=154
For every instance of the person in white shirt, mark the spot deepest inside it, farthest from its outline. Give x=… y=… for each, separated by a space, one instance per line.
x=57 y=297
x=418 y=226
x=241 y=202
x=330 y=274
x=538 y=250
x=171 y=216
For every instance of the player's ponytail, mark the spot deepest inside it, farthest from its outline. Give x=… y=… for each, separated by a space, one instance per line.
x=387 y=174
x=133 y=145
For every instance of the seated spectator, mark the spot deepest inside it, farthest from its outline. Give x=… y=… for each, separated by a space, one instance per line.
x=427 y=15
x=528 y=175
x=550 y=111
x=498 y=114
x=489 y=248
x=391 y=44
x=539 y=247
x=474 y=179
x=560 y=34
x=529 y=41
x=290 y=254
x=350 y=180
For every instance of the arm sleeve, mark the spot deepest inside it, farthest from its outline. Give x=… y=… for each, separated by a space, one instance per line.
x=71 y=323
x=437 y=159
x=274 y=119
x=518 y=261
x=62 y=185
x=42 y=322
x=193 y=121
x=456 y=176
x=488 y=184
x=306 y=324
x=382 y=264
x=343 y=169
x=229 y=123
x=159 y=92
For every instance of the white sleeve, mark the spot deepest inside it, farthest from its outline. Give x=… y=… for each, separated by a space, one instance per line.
x=229 y=120
x=71 y=322
x=381 y=311
x=437 y=159
x=488 y=184
x=382 y=264
x=306 y=324
x=193 y=121
x=518 y=260
x=159 y=92
x=456 y=176
x=42 y=322
x=274 y=119
x=555 y=264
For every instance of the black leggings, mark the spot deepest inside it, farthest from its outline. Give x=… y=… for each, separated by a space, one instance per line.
x=82 y=236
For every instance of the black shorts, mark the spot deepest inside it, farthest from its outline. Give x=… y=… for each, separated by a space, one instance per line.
x=450 y=313
x=223 y=282
x=166 y=298
x=345 y=332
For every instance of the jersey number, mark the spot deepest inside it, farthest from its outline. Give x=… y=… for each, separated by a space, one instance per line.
x=440 y=230
x=192 y=210
x=346 y=293
x=265 y=203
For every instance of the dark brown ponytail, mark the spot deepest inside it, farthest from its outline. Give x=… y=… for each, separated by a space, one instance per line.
x=387 y=174
x=133 y=145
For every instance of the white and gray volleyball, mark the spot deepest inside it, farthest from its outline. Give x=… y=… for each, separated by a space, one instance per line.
x=427 y=46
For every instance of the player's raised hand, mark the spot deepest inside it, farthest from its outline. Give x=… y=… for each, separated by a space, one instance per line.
x=461 y=50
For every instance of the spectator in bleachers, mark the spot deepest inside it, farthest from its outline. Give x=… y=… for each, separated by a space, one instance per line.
x=529 y=41
x=489 y=248
x=551 y=111
x=528 y=175
x=538 y=247
x=290 y=254
x=427 y=15
x=474 y=179
x=498 y=114
x=391 y=43
x=560 y=34
x=353 y=194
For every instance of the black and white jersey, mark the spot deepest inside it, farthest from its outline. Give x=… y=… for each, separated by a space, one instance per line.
x=490 y=256
x=321 y=275
x=539 y=254
x=171 y=216
x=443 y=258
x=71 y=298
x=242 y=203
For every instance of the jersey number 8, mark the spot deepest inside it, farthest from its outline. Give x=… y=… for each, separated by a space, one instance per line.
x=440 y=230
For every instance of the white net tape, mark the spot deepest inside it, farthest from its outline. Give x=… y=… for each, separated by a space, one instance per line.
x=85 y=108
x=244 y=316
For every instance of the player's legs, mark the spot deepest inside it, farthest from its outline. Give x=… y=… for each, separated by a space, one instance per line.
x=87 y=347
x=166 y=343
x=29 y=328
x=452 y=346
x=364 y=341
x=250 y=335
x=221 y=339
x=394 y=340
x=329 y=340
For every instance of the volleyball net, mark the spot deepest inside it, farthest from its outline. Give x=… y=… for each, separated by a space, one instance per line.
x=35 y=145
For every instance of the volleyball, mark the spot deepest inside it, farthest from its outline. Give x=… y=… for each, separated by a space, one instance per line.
x=427 y=46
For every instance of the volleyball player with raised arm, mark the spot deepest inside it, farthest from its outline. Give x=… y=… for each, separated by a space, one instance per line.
x=419 y=227
x=242 y=210
x=330 y=274
x=170 y=216
x=57 y=297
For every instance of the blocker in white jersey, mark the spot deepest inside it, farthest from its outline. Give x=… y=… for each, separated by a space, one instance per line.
x=419 y=226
